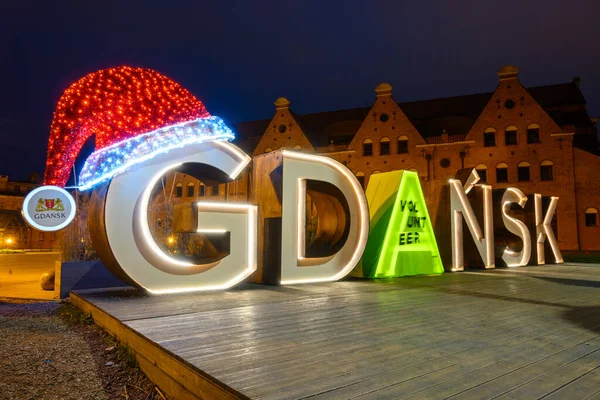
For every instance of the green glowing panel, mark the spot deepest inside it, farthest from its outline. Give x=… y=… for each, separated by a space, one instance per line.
x=401 y=239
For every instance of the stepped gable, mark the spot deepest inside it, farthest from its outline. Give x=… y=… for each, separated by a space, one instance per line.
x=564 y=103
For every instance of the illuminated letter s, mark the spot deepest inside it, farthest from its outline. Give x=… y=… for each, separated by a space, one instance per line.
x=513 y=225
x=121 y=234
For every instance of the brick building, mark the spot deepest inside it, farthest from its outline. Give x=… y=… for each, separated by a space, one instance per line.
x=14 y=232
x=539 y=139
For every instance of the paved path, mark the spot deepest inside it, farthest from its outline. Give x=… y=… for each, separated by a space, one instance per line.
x=20 y=274
x=523 y=333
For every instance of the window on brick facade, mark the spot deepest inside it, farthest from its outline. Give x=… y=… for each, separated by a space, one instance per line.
x=179 y=190
x=510 y=136
x=268 y=150
x=361 y=179
x=502 y=173
x=523 y=171
x=489 y=137
x=445 y=162
x=41 y=236
x=190 y=189
x=533 y=133
x=17 y=188
x=547 y=170
x=297 y=147
x=591 y=217
x=384 y=146
x=402 y=145
x=201 y=190
x=482 y=172
x=367 y=147
x=214 y=190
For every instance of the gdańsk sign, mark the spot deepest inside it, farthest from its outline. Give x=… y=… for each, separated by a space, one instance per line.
x=49 y=208
x=121 y=233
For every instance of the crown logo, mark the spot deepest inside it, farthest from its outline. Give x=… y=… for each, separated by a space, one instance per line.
x=49 y=205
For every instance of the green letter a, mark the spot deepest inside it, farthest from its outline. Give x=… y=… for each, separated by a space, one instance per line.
x=401 y=240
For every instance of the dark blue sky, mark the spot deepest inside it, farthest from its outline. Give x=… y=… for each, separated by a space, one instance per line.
x=238 y=57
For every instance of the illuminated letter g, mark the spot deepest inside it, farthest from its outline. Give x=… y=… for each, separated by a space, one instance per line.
x=121 y=234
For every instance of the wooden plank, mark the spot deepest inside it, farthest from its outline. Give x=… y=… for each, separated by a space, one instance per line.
x=557 y=378
x=583 y=387
x=454 y=386
x=170 y=374
x=150 y=307
x=457 y=313
x=438 y=356
x=385 y=343
x=348 y=374
x=402 y=382
x=292 y=311
x=404 y=333
x=524 y=375
x=477 y=334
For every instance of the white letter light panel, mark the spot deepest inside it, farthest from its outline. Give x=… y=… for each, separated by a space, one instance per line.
x=295 y=267
x=459 y=208
x=543 y=230
x=138 y=255
x=517 y=227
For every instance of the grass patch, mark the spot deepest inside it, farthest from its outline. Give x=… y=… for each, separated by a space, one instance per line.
x=73 y=315
x=128 y=355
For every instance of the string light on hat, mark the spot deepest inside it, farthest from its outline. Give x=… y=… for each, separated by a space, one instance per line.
x=134 y=113
x=104 y=164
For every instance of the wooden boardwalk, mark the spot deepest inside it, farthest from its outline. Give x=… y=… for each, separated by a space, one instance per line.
x=522 y=333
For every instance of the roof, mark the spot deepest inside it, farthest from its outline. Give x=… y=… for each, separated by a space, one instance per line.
x=558 y=95
x=564 y=102
x=319 y=127
x=247 y=134
x=455 y=114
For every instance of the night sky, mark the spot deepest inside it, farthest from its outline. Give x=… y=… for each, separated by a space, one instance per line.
x=238 y=57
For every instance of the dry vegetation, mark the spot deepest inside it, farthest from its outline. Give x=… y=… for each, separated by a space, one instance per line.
x=50 y=350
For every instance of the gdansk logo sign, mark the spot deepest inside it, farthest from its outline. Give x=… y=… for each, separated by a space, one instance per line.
x=389 y=227
x=49 y=208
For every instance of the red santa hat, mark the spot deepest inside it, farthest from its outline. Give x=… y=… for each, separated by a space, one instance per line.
x=134 y=113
